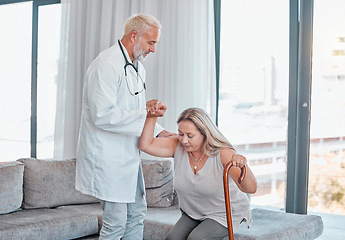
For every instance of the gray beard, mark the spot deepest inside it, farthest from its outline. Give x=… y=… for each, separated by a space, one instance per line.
x=140 y=57
x=138 y=53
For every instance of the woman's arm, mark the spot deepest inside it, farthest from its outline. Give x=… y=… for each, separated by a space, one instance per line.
x=160 y=147
x=249 y=184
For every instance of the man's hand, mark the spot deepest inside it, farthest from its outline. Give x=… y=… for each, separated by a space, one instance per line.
x=155 y=108
x=165 y=134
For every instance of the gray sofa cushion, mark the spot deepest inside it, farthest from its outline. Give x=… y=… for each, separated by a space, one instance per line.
x=50 y=183
x=11 y=186
x=266 y=225
x=158 y=175
x=272 y=225
x=33 y=224
x=95 y=209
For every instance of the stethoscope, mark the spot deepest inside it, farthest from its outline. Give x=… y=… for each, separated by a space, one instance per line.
x=127 y=64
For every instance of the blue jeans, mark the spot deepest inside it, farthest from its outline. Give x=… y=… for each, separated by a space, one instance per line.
x=124 y=220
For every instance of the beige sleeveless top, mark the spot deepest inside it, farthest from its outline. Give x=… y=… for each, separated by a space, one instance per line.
x=201 y=195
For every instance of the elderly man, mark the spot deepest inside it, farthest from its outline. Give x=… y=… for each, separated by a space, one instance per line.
x=113 y=116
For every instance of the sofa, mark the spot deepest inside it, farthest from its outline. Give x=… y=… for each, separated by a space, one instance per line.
x=38 y=201
x=32 y=192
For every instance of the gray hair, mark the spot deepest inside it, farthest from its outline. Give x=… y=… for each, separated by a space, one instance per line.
x=139 y=23
x=214 y=139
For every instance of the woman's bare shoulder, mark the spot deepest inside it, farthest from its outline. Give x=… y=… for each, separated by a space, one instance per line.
x=226 y=155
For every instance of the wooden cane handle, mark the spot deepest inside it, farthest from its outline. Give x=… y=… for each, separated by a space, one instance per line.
x=227 y=194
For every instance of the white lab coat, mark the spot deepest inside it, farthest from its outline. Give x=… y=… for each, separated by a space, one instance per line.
x=112 y=119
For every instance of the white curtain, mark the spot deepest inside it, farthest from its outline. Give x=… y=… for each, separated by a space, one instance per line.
x=180 y=73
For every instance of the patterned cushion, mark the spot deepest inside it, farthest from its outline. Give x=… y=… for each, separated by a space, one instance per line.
x=158 y=175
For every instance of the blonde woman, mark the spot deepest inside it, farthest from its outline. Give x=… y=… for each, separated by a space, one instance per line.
x=200 y=152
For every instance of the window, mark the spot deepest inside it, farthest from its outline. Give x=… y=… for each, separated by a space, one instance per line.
x=15 y=80
x=19 y=97
x=253 y=92
x=327 y=133
x=48 y=56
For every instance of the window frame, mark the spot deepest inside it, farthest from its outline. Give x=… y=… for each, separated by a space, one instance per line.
x=300 y=79
x=34 y=62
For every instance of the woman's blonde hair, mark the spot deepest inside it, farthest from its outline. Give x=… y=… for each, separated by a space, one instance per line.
x=139 y=22
x=214 y=140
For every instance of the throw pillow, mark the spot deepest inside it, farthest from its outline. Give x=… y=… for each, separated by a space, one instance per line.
x=158 y=176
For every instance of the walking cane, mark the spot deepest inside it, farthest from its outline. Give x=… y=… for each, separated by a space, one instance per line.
x=227 y=195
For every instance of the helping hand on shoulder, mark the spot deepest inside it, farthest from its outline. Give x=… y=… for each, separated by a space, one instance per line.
x=165 y=134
